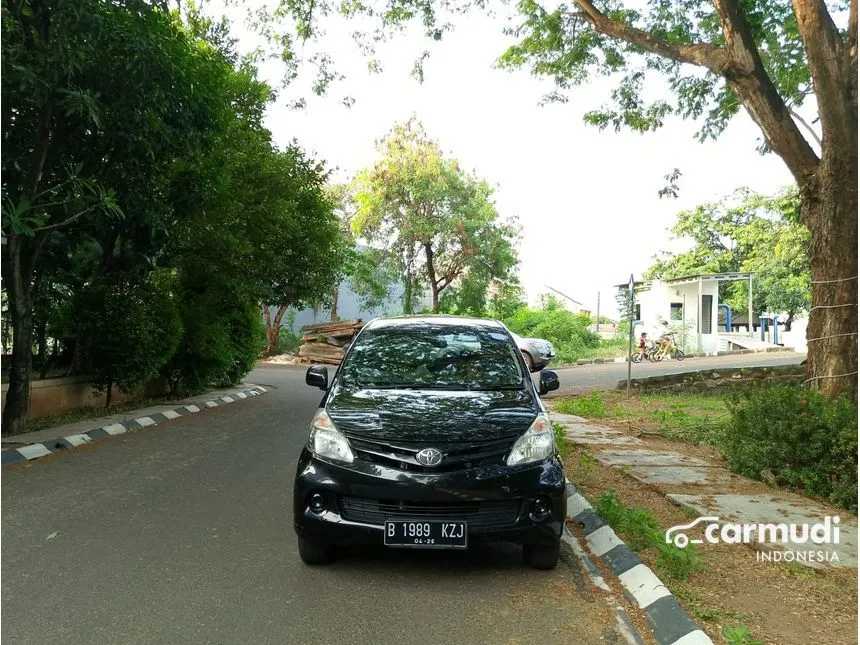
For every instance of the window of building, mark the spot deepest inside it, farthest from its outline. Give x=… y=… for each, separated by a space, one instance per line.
x=707 y=304
x=676 y=311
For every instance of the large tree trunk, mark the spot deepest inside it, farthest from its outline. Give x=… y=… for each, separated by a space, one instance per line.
x=829 y=209
x=21 y=364
x=273 y=328
x=431 y=276
x=334 y=302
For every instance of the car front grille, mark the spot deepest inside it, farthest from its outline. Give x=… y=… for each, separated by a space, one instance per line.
x=456 y=456
x=483 y=515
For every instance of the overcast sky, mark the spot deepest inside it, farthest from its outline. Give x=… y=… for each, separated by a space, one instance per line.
x=586 y=200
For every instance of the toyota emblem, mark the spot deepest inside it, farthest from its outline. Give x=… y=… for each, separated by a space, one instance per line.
x=429 y=457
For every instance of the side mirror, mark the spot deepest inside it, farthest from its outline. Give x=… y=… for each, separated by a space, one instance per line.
x=317 y=376
x=548 y=381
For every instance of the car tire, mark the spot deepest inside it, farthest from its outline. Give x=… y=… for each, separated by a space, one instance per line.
x=541 y=556
x=529 y=362
x=315 y=553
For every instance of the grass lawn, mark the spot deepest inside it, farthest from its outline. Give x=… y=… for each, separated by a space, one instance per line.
x=614 y=348
x=696 y=418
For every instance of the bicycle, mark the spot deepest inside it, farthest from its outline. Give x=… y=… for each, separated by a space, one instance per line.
x=669 y=351
x=651 y=349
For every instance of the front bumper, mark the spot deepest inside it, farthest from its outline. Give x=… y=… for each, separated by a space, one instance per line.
x=488 y=484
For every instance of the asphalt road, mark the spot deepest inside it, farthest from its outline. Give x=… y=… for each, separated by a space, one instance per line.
x=181 y=533
x=586 y=377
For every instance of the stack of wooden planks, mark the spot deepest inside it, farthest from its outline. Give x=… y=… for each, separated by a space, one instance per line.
x=326 y=342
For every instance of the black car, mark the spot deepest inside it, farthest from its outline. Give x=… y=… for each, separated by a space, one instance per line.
x=430 y=435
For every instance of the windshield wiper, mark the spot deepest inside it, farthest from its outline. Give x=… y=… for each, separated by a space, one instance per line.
x=489 y=388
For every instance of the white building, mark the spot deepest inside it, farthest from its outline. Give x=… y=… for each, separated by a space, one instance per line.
x=690 y=306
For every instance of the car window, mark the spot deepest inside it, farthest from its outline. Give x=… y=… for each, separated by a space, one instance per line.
x=436 y=356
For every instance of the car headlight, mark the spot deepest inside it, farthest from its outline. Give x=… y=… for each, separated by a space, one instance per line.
x=537 y=444
x=543 y=346
x=326 y=442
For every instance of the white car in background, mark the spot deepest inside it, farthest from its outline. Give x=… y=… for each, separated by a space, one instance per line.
x=537 y=352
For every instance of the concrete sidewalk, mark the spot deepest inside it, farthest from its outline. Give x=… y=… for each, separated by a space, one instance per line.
x=706 y=488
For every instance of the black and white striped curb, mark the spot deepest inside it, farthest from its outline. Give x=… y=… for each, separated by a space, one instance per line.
x=671 y=624
x=45 y=448
x=625 y=626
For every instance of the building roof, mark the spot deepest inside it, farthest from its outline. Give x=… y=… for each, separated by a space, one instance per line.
x=719 y=277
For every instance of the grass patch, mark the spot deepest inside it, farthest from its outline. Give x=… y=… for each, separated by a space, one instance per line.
x=739 y=635
x=694 y=418
x=615 y=348
x=564 y=446
x=84 y=414
x=642 y=532
x=592 y=406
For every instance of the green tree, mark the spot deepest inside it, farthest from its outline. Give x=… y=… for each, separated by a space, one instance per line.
x=106 y=106
x=369 y=272
x=130 y=329
x=747 y=232
x=769 y=58
x=437 y=222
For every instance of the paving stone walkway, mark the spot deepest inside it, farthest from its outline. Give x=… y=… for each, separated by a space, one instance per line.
x=708 y=489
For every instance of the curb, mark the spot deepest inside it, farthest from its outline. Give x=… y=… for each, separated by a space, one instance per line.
x=33 y=451
x=731 y=352
x=670 y=622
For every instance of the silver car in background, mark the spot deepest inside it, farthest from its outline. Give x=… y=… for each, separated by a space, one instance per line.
x=537 y=352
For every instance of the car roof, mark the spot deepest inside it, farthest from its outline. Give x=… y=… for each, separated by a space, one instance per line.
x=434 y=319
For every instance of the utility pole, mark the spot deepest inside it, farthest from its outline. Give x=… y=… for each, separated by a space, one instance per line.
x=630 y=342
x=598 y=313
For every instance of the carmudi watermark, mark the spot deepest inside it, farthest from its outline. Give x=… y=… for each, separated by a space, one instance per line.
x=802 y=541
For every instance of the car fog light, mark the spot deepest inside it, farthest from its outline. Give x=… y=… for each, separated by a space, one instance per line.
x=317 y=503
x=541 y=508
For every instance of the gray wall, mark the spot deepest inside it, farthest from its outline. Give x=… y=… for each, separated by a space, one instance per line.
x=349 y=308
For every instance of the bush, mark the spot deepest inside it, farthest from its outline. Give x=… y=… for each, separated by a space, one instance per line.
x=804 y=439
x=220 y=342
x=129 y=329
x=288 y=340
x=567 y=331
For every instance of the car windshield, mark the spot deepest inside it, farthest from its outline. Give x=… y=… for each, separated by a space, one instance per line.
x=426 y=355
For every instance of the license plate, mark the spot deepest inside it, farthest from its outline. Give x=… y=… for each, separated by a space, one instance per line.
x=427 y=534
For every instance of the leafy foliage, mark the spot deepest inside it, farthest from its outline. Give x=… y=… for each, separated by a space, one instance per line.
x=130 y=328
x=567 y=331
x=435 y=223
x=134 y=154
x=747 y=232
x=804 y=439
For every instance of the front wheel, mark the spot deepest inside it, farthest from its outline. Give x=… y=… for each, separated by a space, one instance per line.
x=541 y=556
x=529 y=362
x=679 y=355
x=315 y=553
x=636 y=357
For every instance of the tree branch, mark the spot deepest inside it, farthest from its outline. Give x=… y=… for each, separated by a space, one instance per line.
x=808 y=127
x=834 y=85
x=710 y=56
x=851 y=35
x=749 y=80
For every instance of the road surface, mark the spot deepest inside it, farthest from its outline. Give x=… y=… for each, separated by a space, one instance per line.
x=181 y=533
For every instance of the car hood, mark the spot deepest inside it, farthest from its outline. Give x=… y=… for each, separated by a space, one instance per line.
x=432 y=415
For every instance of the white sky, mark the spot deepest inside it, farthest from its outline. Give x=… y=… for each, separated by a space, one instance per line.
x=586 y=200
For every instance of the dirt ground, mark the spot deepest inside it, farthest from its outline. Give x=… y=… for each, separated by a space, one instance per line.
x=781 y=604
